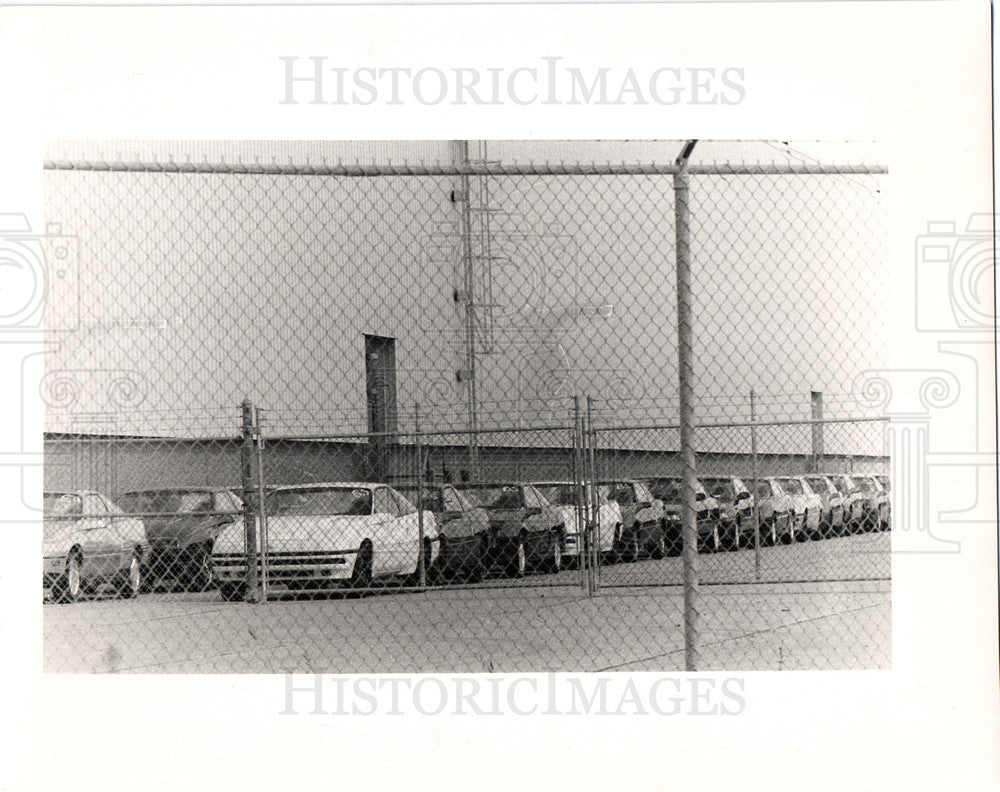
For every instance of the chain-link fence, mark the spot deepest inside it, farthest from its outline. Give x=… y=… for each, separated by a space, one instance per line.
x=469 y=416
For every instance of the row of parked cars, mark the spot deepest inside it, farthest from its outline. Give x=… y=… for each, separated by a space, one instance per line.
x=360 y=533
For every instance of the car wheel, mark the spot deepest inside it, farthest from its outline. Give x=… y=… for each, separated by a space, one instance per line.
x=233 y=592
x=770 y=535
x=361 y=575
x=635 y=550
x=133 y=578
x=660 y=548
x=555 y=563
x=200 y=574
x=519 y=561
x=69 y=588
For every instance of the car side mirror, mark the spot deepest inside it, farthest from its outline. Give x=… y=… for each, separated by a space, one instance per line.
x=699 y=496
x=743 y=496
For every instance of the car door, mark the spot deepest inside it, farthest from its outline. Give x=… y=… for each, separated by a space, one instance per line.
x=101 y=540
x=537 y=510
x=389 y=534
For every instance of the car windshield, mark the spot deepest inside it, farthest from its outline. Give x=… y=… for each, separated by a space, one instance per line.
x=720 y=489
x=791 y=486
x=61 y=504
x=500 y=497
x=866 y=485
x=166 y=501
x=843 y=487
x=320 y=500
x=818 y=485
x=667 y=490
x=559 y=494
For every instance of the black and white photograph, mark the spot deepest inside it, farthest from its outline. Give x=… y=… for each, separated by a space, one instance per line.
x=402 y=394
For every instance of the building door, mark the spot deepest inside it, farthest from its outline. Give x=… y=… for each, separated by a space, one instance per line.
x=380 y=383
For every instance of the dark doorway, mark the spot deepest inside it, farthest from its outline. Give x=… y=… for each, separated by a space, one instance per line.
x=380 y=384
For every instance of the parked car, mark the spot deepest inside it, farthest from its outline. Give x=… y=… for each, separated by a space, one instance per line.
x=463 y=528
x=565 y=494
x=876 y=502
x=735 y=508
x=831 y=520
x=644 y=526
x=707 y=511
x=87 y=541
x=807 y=508
x=344 y=533
x=774 y=510
x=854 y=502
x=181 y=528
x=526 y=531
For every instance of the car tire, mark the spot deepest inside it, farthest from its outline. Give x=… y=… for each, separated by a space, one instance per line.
x=635 y=548
x=716 y=538
x=518 y=564
x=660 y=548
x=200 y=575
x=361 y=574
x=556 y=559
x=69 y=587
x=132 y=582
x=233 y=592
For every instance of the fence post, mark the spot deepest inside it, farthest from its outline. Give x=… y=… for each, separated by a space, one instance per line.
x=261 y=512
x=685 y=373
x=249 y=517
x=592 y=526
x=754 y=474
x=421 y=556
x=579 y=481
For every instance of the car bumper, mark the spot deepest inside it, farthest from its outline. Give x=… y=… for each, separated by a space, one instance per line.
x=288 y=568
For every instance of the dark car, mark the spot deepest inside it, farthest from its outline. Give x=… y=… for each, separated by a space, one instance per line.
x=526 y=531
x=181 y=527
x=645 y=529
x=463 y=532
x=707 y=511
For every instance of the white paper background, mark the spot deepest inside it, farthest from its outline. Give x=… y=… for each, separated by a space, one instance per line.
x=913 y=75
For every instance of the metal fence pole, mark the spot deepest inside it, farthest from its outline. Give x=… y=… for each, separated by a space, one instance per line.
x=249 y=515
x=421 y=556
x=262 y=514
x=754 y=474
x=685 y=370
x=591 y=525
x=579 y=481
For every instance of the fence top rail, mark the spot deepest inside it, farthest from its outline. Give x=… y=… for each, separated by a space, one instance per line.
x=467 y=169
x=743 y=424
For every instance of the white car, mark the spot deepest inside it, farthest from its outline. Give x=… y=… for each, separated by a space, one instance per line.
x=564 y=494
x=854 y=502
x=807 y=508
x=87 y=541
x=832 y=518
x=876 y=500
x=774 y=510
x=346 y=533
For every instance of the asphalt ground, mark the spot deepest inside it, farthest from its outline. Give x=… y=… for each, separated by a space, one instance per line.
x=817 y=605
